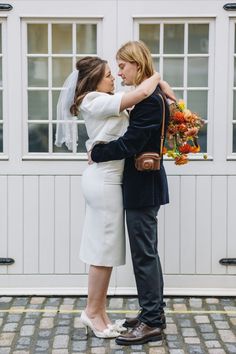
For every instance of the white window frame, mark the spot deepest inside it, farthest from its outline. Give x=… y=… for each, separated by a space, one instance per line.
x=4 y=154
x=211 y=63
x=49 y=21
x=232 y=57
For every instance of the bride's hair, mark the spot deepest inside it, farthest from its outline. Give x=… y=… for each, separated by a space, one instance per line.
x=137 y=52
x=91 y=72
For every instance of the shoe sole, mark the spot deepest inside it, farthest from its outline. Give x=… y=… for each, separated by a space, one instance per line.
x=141 y=341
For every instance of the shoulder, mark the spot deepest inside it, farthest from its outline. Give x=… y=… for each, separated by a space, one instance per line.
x=100 y=97
x=148 y=112
x=91 y=96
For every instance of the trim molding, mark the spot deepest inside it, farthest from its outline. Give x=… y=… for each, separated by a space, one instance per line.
x=116 y=291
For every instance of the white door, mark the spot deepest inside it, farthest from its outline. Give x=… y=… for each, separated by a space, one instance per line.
x=193 y=47
x=41 y=204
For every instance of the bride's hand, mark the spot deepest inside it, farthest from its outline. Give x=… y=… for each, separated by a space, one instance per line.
x=90 y=161
x=167 y=90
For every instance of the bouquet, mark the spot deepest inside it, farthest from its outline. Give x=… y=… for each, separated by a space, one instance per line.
x=182 y=133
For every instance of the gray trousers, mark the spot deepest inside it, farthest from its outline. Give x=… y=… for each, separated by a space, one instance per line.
x=142 y=229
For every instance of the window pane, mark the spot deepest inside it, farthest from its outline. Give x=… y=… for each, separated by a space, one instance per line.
x=234 y=107
x=179 y=94
x=38 y=137
x=1 y=138
x=62 y=39
x=55 y=96
x=197 y=102
x=1 y=115
x=0 y=38
x=174 y=39
x=198 y=72
x=0 y=72
x=234 y=137
x=86 y=39
x=202 y=138
x=234 y=72
x=61 y=149
x=37 y=38
x=37 y=104
x=38 y=72
x=235 y=39
x=82 y=137
x=174 y=71
x=150 y=35
x=156 y=63
x=198 y=38
x=61 y=68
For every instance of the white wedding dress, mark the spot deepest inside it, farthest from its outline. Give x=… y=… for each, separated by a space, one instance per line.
x=103 y=239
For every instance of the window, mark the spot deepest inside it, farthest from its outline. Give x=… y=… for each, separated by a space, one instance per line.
x=181 y=53
x=51 y=54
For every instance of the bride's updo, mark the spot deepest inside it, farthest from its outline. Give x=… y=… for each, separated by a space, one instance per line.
x=91 y=72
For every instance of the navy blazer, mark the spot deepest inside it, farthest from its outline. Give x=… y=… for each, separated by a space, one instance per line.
x=140 y=189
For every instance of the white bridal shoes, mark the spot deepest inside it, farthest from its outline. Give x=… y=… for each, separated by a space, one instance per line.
x=108 y=332
x=118 y=326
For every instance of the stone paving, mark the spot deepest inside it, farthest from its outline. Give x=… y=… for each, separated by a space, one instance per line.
x=33 y=325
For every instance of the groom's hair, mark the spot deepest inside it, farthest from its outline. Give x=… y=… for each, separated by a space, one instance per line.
x=137 y=52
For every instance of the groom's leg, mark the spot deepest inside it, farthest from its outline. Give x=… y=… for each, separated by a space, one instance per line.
x=142 y=229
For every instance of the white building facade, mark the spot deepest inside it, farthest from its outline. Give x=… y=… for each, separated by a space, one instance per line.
x=41 y=204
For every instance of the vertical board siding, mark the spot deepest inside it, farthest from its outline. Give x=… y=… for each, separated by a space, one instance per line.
x=46 y=225
x=188 y=225
x=172 y=234
x=41 y=222
x=62 y=224
x=219 y=223
x=231 y=222
x=3 y=221
x=31 y=225
x=15 y=223
x=203 y=225
x=76 y=221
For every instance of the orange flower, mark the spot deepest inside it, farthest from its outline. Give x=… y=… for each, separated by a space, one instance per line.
x=191 y=132
x=181 y=160
x=185 y=149
x=179 y=117
x=182 y=128
x=164 y=150
x=195 y=149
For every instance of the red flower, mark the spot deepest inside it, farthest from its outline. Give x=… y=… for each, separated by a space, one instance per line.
x=179 y=117
x=185 y=149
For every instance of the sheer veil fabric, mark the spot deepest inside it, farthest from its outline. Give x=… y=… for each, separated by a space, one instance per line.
x=66 y=131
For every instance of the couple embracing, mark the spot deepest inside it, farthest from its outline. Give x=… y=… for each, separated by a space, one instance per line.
x=120 y=126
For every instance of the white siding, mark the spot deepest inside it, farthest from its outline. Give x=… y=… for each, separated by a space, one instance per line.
x=44 y=218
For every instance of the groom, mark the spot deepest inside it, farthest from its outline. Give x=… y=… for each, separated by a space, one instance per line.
x=143 y=194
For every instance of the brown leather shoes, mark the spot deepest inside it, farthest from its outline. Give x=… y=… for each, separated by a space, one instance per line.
x=132 y=322
x=140 y=334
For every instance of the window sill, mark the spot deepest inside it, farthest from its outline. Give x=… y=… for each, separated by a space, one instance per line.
x=194 y=158
x=38 y=157
x=4 y=158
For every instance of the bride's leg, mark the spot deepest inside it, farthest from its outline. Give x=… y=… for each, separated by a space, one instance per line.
x=98 y=282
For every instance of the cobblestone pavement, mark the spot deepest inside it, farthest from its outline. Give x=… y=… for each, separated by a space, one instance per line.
x=30 y=325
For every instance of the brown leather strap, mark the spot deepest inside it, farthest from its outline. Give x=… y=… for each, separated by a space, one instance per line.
x=163 y=125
